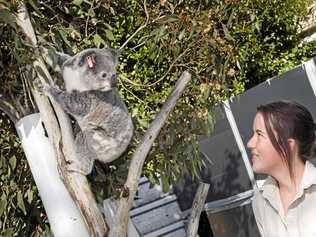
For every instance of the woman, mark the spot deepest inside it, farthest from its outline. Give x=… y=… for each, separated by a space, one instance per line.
x=281 y=145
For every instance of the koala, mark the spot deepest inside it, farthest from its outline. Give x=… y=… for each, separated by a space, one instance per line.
x=91 y=97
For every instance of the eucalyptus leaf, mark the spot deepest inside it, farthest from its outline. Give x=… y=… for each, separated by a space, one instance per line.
x=7 y=17
x=6 y=3
x=7 y=233
x=30 y=196
x=91 y=12
x=109 y=35
x=21 y=202
x=3 y=205
x=12 y=162
x=165 y=183
x=77 y=2
x=98 y=40
x=63 y=35
x=35 y=7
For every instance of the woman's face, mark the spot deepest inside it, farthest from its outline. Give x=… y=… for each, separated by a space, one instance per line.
x=265 y=159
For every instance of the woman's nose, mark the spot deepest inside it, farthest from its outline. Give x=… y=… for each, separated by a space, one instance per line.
x=250 y=143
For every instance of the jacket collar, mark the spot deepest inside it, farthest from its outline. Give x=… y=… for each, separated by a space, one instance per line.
x=270 y=190
x=309 y=176
x=270 y=185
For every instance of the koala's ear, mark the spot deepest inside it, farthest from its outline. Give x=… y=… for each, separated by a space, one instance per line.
x=54 y=59
x=60 y=58
x=115 y=53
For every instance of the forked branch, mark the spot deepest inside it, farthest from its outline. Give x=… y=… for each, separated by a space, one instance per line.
x=138 y=159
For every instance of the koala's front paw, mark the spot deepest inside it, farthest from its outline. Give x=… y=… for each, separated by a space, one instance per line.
x=52 y=90
x=46 y=89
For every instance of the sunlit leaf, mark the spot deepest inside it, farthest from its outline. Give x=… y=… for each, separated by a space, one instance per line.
x=35 y=7
x=12 y=162
x=7 y=233
x=21 y=202
x=7 y=18
x=63 y=35
x=30 y=196
x=98 y=40
x=3 y=205
x=165 y=183
x=77 y=2
x=91 y=12
x=109 y=35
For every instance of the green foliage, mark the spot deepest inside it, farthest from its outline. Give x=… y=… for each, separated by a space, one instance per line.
x=21 y=211
x=268 y=39
x=227 y=46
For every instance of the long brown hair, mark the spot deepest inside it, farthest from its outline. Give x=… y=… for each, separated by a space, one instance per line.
x=287 y=119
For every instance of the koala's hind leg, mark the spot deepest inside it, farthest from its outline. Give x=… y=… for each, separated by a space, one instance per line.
x=85 y=156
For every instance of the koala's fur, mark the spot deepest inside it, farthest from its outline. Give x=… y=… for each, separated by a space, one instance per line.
x=92 y=99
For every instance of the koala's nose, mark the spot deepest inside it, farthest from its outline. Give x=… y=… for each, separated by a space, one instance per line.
x=114 y=75
x=113 y=80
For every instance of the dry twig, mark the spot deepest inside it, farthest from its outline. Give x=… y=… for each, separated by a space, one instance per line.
x=197 y=208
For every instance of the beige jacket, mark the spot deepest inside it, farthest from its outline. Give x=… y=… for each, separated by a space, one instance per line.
x=300 y=220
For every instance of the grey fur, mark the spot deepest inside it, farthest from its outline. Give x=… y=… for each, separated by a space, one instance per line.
x=92 y=99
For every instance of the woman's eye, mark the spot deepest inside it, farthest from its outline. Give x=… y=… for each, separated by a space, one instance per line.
x=260 y=135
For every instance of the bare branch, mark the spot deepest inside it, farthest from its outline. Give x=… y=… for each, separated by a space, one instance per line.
x=139 y=29
x=87 y=21
x=308 y=31
x=28 y=87
x=138 y=159
x=18 y=105
x=197 y=208
x=23 y=21
x=9 y=110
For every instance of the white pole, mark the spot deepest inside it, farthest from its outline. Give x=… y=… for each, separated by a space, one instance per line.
x=240 y=144
x=63 y=215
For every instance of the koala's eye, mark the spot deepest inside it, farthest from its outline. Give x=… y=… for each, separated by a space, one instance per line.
x=104 y=75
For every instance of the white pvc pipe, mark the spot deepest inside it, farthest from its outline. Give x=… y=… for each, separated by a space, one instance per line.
x=63 y=215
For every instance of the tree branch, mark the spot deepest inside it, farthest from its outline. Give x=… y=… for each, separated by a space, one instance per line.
x=138 y=159
x=78 y=185
x=197 y=208
x=9 y=110
x=62 y=140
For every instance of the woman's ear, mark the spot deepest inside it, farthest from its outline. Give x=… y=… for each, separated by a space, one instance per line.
x=293 y=146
